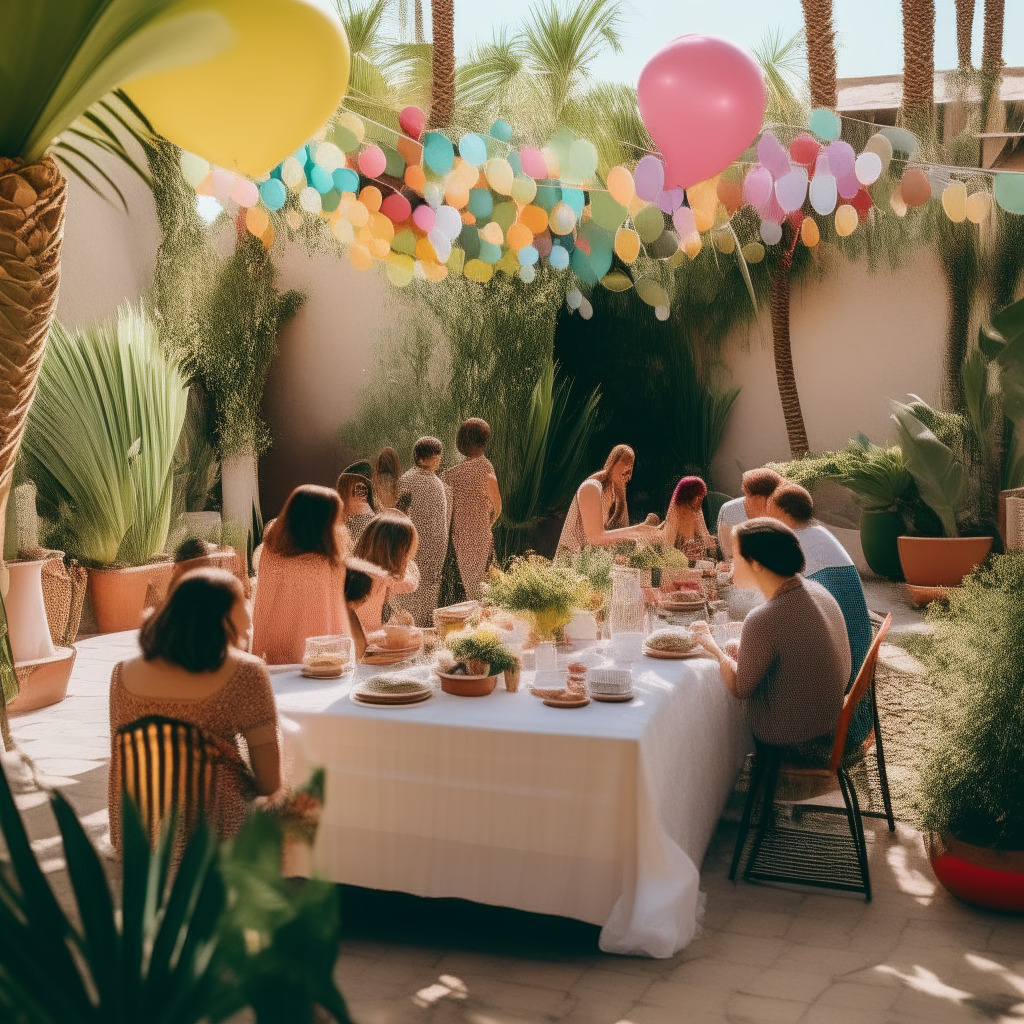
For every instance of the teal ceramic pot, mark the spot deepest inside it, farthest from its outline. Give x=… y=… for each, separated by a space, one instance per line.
x=878 y=533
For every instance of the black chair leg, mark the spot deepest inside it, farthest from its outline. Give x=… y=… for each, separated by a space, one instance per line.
x=755 y=781
x=774 y=759
x=883 y=778
x=856 y=828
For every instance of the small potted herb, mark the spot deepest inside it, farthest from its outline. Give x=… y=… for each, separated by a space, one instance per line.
x=480 y=652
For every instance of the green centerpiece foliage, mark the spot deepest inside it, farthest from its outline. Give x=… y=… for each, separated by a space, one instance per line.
x=542 y=591
x=655 y=556
x=482 y=645
x=594 y=564
x=220 y=933
x=971 y=785
x=101 y=440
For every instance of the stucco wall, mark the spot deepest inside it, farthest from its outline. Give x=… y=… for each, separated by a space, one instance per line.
x=859 y=339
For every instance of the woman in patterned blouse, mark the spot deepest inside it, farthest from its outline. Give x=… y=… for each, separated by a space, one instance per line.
x=793 y=661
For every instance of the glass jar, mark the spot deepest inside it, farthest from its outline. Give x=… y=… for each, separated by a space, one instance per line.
x=327 y=657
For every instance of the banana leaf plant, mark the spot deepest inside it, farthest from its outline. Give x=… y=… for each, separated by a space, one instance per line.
x=219 y=932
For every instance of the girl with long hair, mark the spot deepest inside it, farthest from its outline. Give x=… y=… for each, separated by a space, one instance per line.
x=684 y=527
x=389 y=542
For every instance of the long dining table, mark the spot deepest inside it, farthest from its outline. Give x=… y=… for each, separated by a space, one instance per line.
x=601 y=813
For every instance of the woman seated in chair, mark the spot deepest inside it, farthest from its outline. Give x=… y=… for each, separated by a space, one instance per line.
x=793 y=662
x=300 y=590
x=193 y=670
x=389 y=541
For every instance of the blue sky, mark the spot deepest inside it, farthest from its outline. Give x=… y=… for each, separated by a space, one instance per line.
x=869 y=31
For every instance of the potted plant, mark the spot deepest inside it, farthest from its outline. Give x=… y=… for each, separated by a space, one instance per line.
x=971 y=800
x=100 y=445
x=540 y=591
x=482 y=649
x=594 y=564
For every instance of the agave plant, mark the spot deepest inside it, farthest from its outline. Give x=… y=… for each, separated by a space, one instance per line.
x=102 y=436
x=220 y=932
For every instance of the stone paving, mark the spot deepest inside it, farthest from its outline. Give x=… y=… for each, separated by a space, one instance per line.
x=765 y=955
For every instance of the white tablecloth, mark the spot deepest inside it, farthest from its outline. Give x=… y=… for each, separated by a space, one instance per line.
x=602 y=814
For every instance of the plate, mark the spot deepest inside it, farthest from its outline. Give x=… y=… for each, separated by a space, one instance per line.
x=611 y=698
x=319 y=673
x=397 y=700
x=581 y=703
x=683 y=606
x=674 y=655
x=380 y=656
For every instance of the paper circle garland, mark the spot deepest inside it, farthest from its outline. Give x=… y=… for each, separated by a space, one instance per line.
x=868 y=167
x=915 y=188
x=846 y=220
x=771 y=233
x=954 y=202
x=809 y=233
x=979 y=206
x=1009 y=191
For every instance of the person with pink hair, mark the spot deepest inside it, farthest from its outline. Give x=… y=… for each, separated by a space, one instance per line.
x=684 y=526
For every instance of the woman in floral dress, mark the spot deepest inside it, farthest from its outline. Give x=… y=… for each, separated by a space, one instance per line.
x=421 y=488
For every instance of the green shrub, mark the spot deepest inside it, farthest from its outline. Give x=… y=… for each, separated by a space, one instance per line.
x=482 y=645
x=972 y=783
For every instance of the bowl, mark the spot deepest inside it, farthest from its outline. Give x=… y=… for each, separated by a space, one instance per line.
x=467 y=686
x=400 y=638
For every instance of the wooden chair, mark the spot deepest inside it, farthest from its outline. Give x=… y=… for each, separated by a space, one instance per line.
x=803 y=856
x=169 y=765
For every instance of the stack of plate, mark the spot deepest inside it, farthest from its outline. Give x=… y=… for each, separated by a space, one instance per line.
x=611 y=685
x=375 y=655
x=391 y=690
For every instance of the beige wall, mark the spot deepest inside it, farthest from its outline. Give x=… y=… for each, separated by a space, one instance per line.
x=108 y=254
x=859 y=339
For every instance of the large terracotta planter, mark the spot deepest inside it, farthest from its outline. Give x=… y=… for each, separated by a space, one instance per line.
x=119 y=595
x=43 y=681
x=993 y=879
x=941 y=561
x=879 y=532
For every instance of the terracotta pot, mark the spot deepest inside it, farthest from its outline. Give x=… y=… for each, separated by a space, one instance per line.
x=941 y=561
x=879 y=532
x=993 y=879
x=467 y=686
x=42 y=682
x=119 y=595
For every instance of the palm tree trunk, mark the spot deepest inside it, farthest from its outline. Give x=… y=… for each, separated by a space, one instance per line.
x=821 y=52
x=418 y=22
x=918 y=59
x=795 y=429
x=964 y=24
x=442 y=90
x=992 y=43
x=32 y=203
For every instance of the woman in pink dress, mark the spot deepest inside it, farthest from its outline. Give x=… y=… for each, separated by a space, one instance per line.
x=476 y=505
x=389 y=542
x=300 y=590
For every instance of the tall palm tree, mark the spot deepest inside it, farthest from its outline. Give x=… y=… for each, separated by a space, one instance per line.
x=918 y=61
x=60 y=62
x=821 y=52
x=442 y=90
x=992 y=40
x=964 y=26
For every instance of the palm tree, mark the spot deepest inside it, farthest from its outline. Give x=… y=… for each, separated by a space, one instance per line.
x=442 y=89
x=821 y=52
x=918 y=61
x=964 y=25
x=62 y=62
x=992 y=40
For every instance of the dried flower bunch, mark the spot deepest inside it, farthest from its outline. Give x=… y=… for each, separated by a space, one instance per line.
x=546 y=592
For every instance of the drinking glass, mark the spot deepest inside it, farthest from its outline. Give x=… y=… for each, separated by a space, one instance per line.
x=328 y=656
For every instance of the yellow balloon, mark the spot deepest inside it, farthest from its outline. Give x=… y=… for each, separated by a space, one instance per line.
x=692 y=245
x=979 y=205
x=399 y=268
x=478 y=270
x=205 y=88
x=456 y=261
x=954 y=202
x=524 y=188
x=724 y=242
x=703 y=199
x=551 y=161
x=627 y=245
x=562 y=218
x=809 y=233
x=342 y=231
x=620 y=184
x=256 y=220
x=500 y=175
x=492 y=233
x=846 y=220
x=292 y=173
x=753 y=252
x=353 y=123
x=899 y=207
x=359 y=256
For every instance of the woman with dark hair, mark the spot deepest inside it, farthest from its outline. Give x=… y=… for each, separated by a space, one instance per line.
x=193 y=670
x=598 y=514
x=353 y=487
x=793 y=662
x=476 y=505
x=423 y=495
x=390 y=543
x=300 y=590
x=684 y=526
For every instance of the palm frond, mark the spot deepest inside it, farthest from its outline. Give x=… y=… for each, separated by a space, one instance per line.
x=782 y=60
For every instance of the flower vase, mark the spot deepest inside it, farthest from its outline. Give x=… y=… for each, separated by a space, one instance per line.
x=512 y=678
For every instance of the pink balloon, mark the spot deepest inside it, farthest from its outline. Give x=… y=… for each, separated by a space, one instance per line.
x=649 y=178
x=703 y=101
x=245 y=193
x=533 y=162
x=669 y=200
x=771 y=153
x=424 y=217
x=841 y=158
x=685 y=222
x=411 y=120
x=848 y=185
x=757 y=186
x=396 y=207
x=772 y=211
x=372 y=161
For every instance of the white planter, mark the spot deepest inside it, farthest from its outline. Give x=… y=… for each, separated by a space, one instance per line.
x=26 y=613
x=239 y=489
x=582 y=627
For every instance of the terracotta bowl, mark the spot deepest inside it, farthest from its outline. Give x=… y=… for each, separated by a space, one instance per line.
x=940 y=561
x=467 y=686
